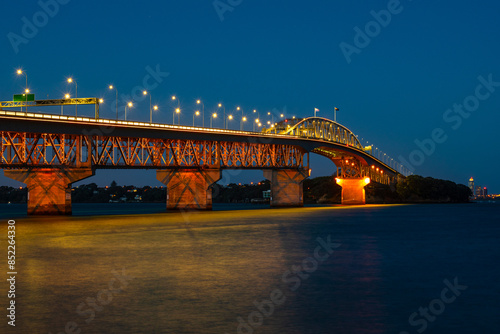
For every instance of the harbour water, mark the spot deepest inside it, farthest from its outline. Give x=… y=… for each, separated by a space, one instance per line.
x=328 y=269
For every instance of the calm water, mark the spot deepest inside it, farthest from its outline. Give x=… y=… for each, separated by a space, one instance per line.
x=260 y=271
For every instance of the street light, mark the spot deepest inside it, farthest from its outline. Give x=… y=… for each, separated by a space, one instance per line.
x=224 y=107
x=214 y=115
x=202 y=111
x=150 y=109
x=155 y=108
x=196 y=113
x=272 y=117
x=70 y=80
x=66 y=96
x=178 y=112
x=111 y=87
x=130 y=105
x=243 y=119
x=256 y=122
x=174 y=98
x=230 y=117
x=26 y=89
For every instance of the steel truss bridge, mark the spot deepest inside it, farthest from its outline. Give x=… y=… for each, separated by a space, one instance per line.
x=33 y=142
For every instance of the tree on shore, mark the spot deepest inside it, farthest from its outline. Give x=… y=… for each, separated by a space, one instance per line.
x=415 y=188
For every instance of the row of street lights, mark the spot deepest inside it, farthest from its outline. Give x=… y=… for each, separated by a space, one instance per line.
x=27 y=90
x=177 y=110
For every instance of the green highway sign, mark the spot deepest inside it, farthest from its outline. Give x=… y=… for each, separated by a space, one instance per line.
x=24 y=97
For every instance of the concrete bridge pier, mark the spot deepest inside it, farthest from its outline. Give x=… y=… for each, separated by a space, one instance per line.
x=353 y=190
x=189 y=189
x=286 y=186
x=49 y=189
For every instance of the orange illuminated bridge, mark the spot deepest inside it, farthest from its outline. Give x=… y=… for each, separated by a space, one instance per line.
x=49 y=152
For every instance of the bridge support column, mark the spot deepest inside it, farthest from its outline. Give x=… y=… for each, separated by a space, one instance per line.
x=353 y=190
x=189 y=189
x=286 y=186
x=49 y=189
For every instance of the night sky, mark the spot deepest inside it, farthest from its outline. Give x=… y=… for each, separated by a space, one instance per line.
x=419 y=79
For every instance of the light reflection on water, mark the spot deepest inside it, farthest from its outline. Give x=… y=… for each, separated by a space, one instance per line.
x=197 y=273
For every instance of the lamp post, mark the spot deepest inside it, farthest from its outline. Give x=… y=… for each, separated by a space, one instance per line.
x=111 y=87
x=71 y=80
x=272 y=117
x=202 y=111
x=224 y=108
x=130 y=105
x=150 y=109
x=257 y=121
x=174 y=98
x=229 y=118
x=214 y=115
x=66 y=96
x=238 y=109
x=178 y=112
x=243 y=119
x=155 y=108
x=101 y=101
x=196 y=113
x=26 y=90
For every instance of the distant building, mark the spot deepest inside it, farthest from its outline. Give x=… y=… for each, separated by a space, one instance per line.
x=485 y=192
x=479 y=191
x=266 y=194
x=471 y=185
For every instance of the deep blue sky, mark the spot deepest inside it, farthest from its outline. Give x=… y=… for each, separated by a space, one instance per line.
x=283 y=55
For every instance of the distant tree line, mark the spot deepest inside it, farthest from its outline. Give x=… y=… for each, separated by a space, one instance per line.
x=13 y=195
x=412 y=189
x=416 y=188
x=91 y=193
x=324 y=189
x=238 y=193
